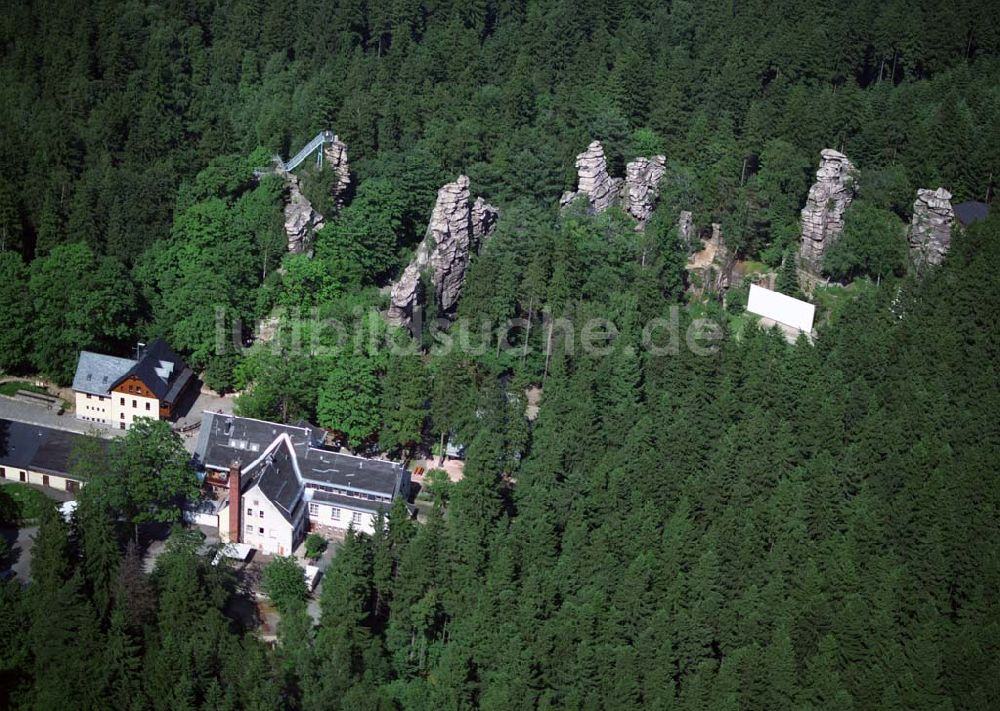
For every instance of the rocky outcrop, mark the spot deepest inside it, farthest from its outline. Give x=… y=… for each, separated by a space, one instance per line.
x=716 y=237
x=335 y=159
x=823 y=215
x=450 y=234
x=484 y=220
x=642 y=181
x=454 y=231
x=723 y=261
x=930 y=229
x=593 y=182
x=404 y=298
x=301 y=220
x=267 y=329
x=685 y=229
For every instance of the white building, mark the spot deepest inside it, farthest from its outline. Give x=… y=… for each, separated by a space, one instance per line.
x=792 y=316
x=290 y=483
x=117 y=391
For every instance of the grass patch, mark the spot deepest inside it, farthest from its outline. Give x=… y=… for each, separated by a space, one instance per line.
x=738 y=324
x=11 y=388
x=20 y=503
x=751 y=267
x=830 y=300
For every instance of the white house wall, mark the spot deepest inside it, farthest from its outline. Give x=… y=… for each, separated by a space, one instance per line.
x=93 y=408
x=363 y=521
x=127 y=408
x=263 y=526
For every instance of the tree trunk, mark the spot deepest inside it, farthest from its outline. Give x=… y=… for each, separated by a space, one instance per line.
x=548 y=353
x=527 y=330
x=441 y=455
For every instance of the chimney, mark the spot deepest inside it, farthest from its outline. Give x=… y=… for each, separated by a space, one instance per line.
x=235 y=505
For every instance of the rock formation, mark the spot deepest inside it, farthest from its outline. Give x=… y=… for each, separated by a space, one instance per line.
x=685 y=229
x=484 y=219
x=930 y=229
x=716 y=235
x=642 y=180
x=593 y=182
x=267 y=329
x=453 y=232
x=722 y=261
x=301 y=220
x=450 y=232
x=823 y=215
x=404 y=298
x=335 y=159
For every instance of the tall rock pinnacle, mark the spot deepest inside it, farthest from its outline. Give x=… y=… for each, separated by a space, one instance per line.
x=823 y=215
x=930 y=228
x=593 y=182
x=454 y=230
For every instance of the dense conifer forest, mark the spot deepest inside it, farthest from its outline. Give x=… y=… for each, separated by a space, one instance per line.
x=769 y=525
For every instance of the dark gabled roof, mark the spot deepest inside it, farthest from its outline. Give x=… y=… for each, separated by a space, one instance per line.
x=969 y=212
x=43 y=449
x=161 y=370
x=227 y=438
x=274 y=472
x=224 y=439
x=96 y=372
x=324 y=466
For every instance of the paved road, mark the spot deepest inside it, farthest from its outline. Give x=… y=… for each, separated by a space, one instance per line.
x=11 y=409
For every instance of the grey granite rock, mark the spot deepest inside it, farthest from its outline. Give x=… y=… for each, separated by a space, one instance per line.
x=484 y=220
x=301 y=220
x=823 y=215
x=454 y=230
x=930 y=228
x=335 y=159
x=642 y=180
x=685 y=229
x=593 y=182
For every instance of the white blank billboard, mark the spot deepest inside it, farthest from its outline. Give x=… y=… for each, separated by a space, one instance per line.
x=781 y=308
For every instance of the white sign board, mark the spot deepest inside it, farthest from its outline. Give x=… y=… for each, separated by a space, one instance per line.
x=781 y=308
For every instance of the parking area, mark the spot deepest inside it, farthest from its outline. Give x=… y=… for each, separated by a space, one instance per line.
x=11 y=409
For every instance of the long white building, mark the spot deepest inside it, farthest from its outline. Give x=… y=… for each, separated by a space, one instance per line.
x=279 y=482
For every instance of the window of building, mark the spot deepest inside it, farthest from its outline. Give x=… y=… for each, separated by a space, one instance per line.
x=88 y=396
x=335 y=514
x=3 y=473
x=147 y=405
x=356 y=517
x=249 y=528
x=134 y=405
x=256 y=503
x=261 y=531
x=24 y=476
x=313 y=509
x=262 y=513
x=122 y=414
x=123 y=402
x=249 y=512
